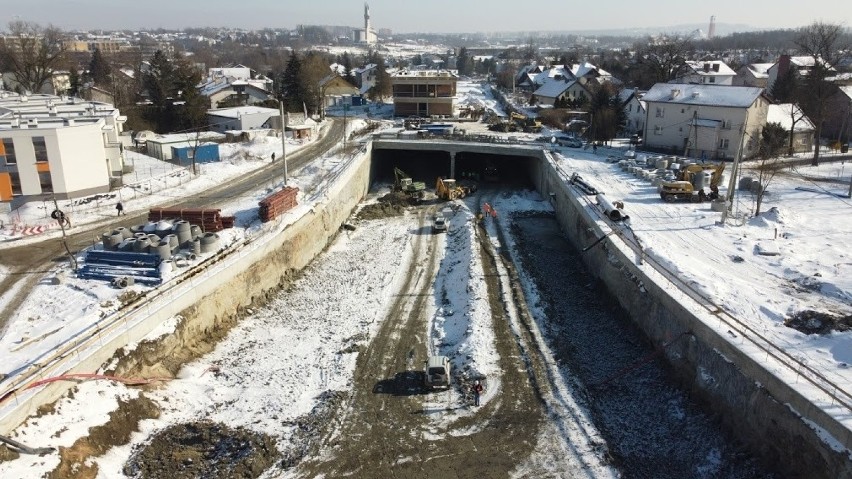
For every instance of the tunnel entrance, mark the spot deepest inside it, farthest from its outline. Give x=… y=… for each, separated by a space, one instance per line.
x=427 y=166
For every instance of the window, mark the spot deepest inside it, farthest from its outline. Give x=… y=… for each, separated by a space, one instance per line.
x=661 y=112
x=46 y=182
x=16 y=182
x=723 y=143
x=658 y=130
x=40 y=149
x=630 y=108
x=712 y=79
x=726 y=124
x=8 y=151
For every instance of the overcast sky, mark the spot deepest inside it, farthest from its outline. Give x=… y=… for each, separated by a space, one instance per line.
x=427 y=16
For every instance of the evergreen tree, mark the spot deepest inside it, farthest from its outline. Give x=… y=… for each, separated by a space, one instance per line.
x=347 y=67
x=99 y=68
x=159 y=80
x=291 y=84
x=462 y=62
x=74 y=82
x=786 y=87
x=383 y=87
x=608 y=116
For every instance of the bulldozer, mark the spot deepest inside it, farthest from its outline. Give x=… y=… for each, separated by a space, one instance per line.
x=447 y=189
x=414 y=189
x=690 y=184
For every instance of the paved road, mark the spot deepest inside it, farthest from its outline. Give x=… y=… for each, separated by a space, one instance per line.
x=29 y=263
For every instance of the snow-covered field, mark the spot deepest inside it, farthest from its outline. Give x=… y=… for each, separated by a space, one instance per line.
x=810 y=230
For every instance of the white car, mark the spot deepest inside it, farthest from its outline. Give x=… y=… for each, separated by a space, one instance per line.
x=440 y=223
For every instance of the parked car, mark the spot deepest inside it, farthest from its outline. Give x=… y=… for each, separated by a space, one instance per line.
x=564 y=140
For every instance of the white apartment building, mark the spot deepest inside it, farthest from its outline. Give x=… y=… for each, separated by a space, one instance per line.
x=704 y=121
x=57 y=146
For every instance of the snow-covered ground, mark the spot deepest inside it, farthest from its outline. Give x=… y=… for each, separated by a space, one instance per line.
x=810 y=229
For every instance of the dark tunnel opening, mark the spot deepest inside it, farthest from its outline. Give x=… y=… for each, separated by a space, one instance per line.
x=508 y=170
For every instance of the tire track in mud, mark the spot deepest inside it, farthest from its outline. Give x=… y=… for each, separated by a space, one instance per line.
x=391 y=427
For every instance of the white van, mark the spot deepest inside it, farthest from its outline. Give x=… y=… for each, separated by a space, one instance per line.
x=437 y=374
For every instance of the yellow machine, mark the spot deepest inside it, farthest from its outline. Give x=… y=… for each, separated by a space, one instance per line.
x=447 y=189
x=684 y=188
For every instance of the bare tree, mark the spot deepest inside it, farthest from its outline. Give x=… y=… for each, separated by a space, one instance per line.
x=32 y=52
x=822 y=42
x=772 y=140
x=662 y=59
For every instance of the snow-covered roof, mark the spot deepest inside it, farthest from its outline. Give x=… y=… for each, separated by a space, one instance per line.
x=847 y=90
x=583 y=69
x=710 y=95
x=239 y=111
x=760 y=70
x=782 y=114
x=711 y=68
x=553 y=89
x=552 y=73
x=627 y=94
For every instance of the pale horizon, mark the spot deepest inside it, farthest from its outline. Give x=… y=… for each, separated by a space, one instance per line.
x=472 y=16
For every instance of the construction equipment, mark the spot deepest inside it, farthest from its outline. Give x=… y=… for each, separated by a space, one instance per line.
x=525 y=123
x=691 y=182
x=414 y=189
x=447 y=189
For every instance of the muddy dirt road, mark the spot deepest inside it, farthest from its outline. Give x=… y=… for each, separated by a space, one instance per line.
x=393 y=427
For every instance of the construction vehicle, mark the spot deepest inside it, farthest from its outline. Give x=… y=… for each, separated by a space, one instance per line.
x=447 y=189
x=414 y=189
x=525 y=123
x=690 y=184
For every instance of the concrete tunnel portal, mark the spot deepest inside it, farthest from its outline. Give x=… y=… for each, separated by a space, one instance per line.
x=427 y=165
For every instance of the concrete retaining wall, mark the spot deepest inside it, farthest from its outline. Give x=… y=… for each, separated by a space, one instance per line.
x=751 y=402
x=212 y=297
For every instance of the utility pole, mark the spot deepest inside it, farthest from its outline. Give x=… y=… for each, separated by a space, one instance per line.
x=60 y=217
x=729 y=198
x=283 y=137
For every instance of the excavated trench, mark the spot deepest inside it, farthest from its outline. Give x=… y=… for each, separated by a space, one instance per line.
x=653 y=427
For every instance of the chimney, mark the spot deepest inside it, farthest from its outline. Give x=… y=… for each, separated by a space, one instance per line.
x=675 y=92
x=783 y=65
x=716 y=67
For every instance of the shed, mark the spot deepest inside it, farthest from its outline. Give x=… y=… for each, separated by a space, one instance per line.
x=204 y=153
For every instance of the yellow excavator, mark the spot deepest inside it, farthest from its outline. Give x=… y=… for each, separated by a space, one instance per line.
x=447 y=189
x=687 y=187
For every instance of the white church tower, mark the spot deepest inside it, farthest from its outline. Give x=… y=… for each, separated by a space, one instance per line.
x=368 y=35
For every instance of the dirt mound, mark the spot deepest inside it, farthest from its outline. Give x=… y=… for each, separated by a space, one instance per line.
x=122 y=423
x=392 y=204
x=815 y=322
x=309 y=428
x=203 y=449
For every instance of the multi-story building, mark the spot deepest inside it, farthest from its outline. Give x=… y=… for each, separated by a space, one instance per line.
x=704 y=121
x=713 y=72
x=424 y=92
x=57 y=146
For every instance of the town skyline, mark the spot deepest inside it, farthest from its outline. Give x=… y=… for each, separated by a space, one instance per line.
x=470 y=17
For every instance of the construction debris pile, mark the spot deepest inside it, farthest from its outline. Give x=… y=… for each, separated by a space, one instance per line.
x=277 y=203
x=209 y=219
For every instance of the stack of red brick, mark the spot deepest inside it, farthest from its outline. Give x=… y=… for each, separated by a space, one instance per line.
x=277 y=203
x=209 y=219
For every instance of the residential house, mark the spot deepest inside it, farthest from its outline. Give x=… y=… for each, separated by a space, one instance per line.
x=241 y=118
x=57 y=146
x=424 y=92
x=753 y=74
x=365 y=77
x=225 y=92
x=713 y=72
x=334 y=88
x=634 y=110
x=800 y=64
x=791 y=117
x=560 y=90
x=838 y=121
x=704 y=121
x=586 y=73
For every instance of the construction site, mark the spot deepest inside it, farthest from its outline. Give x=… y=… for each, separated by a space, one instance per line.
x=579 y=290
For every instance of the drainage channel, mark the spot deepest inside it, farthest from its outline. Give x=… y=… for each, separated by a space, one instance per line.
x=652 y=426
